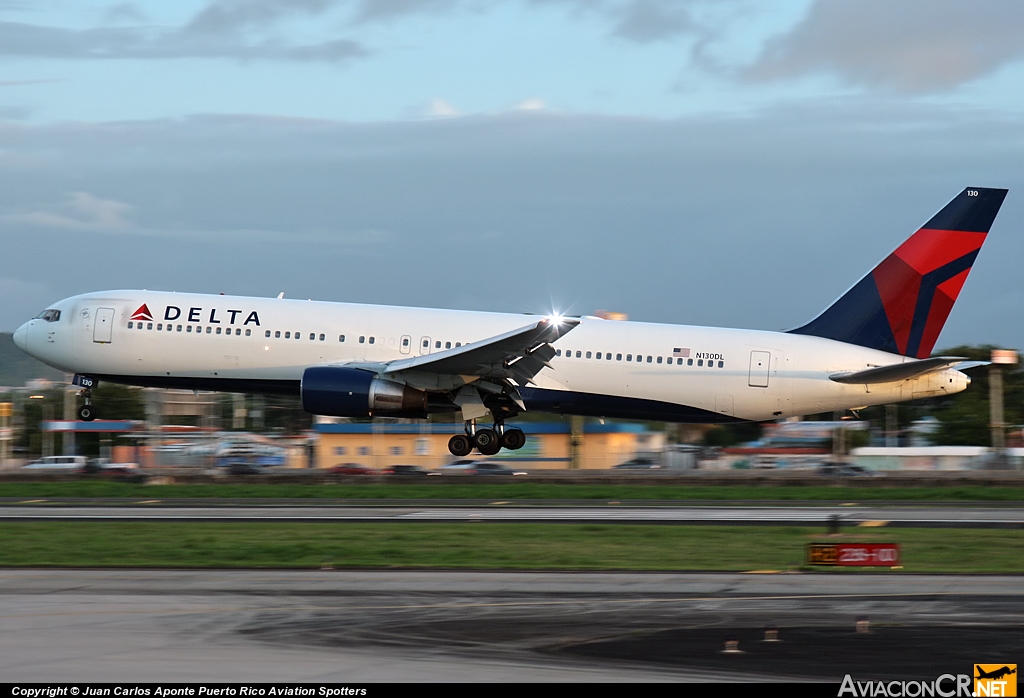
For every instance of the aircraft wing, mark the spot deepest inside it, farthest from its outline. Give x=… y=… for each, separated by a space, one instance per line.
x=903 y=371
x=519 y=355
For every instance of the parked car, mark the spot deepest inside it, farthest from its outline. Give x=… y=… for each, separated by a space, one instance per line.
x=845 y=470
x=68 y=464
x=478 y=467
x=639 y=463
x=406 y=470
x=352 y=469
x=103 y=466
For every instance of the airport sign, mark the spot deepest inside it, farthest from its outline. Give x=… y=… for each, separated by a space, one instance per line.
x=854 y=554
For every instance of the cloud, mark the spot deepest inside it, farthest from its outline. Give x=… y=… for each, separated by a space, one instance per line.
x=752 y=221
x=222 y=16
x=81 y=211
x=532 y=104
x=646 y=21
x=436 y=108
x=33 y=81
x=123 y=12
x=28 y=40
x=386 y=10
x=256 y=29
x=14 y=112
x=911 y=46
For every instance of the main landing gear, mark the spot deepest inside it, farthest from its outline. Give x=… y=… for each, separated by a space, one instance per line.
x=487 y=441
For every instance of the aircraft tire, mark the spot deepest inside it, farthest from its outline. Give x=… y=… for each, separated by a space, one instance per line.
x=513 y=439
x=459 y=445
x=87 y=413
x=487 y=442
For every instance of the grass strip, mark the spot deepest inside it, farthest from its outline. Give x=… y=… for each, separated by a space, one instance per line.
x=482 y=546
x=513 y=491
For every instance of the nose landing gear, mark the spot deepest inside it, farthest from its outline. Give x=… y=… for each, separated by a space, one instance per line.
x=87 y=412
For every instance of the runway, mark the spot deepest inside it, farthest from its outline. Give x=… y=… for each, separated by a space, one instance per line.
x=504 y=512
x=422 y=626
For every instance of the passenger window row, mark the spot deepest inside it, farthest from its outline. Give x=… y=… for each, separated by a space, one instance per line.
x=296 y=335
x=437 y=344
x=276 y=334
x=160 y=327
x=640 y=358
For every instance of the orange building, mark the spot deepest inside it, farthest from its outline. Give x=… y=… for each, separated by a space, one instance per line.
x=549 y=445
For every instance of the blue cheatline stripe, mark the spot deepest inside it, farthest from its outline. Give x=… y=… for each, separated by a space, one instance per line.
x=613 y=406
x=537 y=399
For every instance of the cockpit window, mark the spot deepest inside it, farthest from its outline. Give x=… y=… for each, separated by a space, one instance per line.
x=51 y=315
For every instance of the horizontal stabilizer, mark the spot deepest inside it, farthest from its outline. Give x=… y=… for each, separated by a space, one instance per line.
x=897 y=372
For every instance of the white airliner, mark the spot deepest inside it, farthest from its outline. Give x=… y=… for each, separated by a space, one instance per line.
x=868 y=348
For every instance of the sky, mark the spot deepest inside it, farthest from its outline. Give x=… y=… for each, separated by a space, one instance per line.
x=731 y=163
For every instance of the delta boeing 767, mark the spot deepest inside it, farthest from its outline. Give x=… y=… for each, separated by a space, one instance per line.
x=870 y=347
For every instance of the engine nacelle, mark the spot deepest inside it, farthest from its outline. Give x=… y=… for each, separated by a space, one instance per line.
x=351 y=392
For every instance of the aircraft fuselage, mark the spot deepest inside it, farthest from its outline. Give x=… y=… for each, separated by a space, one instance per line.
x=605 y=368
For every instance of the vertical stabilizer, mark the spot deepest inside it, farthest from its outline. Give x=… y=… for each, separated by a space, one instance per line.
x=901 y=306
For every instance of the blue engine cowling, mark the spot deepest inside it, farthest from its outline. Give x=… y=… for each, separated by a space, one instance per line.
x=351 y=392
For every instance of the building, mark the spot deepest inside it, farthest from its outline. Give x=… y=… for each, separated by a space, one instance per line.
x=550 y=445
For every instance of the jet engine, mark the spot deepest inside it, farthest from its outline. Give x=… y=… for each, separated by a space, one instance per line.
x=351 y=392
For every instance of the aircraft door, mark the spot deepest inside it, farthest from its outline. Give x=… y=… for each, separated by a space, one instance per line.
x=424 y=345
x=760 y=366
x=103 y=325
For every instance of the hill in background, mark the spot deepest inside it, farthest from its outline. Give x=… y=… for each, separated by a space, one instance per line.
x=16 y=366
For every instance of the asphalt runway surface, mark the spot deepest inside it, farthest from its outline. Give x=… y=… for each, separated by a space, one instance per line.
x=959 y=516
x=424 y=626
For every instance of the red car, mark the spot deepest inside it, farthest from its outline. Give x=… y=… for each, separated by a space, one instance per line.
x=352 y=469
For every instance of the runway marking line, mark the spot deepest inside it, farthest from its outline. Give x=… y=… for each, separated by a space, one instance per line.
x=32 y=501
x=149 y=501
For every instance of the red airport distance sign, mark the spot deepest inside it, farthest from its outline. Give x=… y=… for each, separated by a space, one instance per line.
x=854 y=554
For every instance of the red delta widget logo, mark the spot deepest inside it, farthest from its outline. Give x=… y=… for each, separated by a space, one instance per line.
x=216 y=316
x=142 y=313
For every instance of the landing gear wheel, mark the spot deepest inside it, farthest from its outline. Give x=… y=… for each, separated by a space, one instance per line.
x=487 y=442
x=459 y=445
x=513 y=439
x=87 y=413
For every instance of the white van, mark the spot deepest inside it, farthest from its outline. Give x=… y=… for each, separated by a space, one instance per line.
x=69 y=463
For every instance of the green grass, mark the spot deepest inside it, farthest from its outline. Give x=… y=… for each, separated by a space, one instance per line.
x=480 y=546
x=512 y=491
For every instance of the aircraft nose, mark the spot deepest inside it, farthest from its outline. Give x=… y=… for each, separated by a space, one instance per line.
x=21 y=337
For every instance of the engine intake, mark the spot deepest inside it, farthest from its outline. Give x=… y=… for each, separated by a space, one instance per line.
x=351 y=392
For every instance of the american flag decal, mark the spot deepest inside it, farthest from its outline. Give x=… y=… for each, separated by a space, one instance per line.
x=684 y=352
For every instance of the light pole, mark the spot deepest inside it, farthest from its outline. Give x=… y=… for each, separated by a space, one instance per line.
x=46 y=435
x=997 y=423
x=6 y=433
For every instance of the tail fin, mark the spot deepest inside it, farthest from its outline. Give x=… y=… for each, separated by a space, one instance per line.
x=901 y=306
